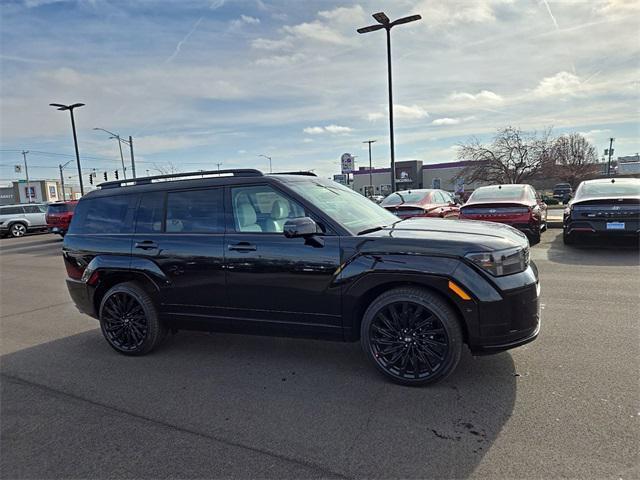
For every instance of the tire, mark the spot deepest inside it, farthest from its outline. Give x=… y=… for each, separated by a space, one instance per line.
x=129 y=320
x=535 y=238
x=568 y=239
x=17 y=229
x=425 y=360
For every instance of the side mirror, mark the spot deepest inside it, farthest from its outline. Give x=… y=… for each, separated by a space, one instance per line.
x=300 y=227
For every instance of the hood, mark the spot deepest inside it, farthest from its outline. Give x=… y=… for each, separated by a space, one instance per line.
x=445 y=237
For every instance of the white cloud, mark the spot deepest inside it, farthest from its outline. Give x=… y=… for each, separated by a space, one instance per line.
x=446 y=121
x=414 y=112
x=333 y=129
x=316 y=31
x=280 y=60
x=452 y=12
x=268 y=44
x=484 y=96
x=244 y=20
x=350 y=15
x=562 y=83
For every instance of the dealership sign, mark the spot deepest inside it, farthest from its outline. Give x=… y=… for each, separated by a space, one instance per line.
x=347 y=163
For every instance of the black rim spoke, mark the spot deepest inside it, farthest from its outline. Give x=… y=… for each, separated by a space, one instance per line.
x=409 y=340
x=125 y=322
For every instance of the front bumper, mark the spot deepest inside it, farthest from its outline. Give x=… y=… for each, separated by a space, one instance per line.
x=510 y=321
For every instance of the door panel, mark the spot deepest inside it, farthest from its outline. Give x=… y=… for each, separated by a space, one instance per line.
x=274 y=279
x=187 y=245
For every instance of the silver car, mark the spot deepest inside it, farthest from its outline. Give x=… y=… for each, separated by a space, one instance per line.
x=16 y=220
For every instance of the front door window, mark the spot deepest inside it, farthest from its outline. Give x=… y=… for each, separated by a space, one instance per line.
x=262 y=209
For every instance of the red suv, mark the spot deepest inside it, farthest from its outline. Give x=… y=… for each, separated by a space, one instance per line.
x=59 y=216
x=517 y=205
x=422 y=203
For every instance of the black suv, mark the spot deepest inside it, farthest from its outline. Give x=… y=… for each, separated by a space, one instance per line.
x=296 y=255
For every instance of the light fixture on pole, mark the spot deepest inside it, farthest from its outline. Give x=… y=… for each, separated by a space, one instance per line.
x=268 y=158
x=59 y=106
x=384 y=22
x=120 y=141
x=370 y=167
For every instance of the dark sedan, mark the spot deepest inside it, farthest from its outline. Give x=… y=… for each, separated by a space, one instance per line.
x=517 y=205
x=606 y=207
x=422 y=203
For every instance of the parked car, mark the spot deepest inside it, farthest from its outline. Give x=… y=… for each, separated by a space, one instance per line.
x=376 y=198
x=17 y=220
x=517 y=205
x=606 y=207
x=295 y=255
x=422 y=203
x=562 y=192
x=59 y=216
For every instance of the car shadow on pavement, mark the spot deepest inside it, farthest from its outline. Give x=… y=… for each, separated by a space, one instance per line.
x=319 y=403
x=596 y=251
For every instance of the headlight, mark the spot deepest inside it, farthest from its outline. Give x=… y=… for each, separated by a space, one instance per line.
x=502 y=262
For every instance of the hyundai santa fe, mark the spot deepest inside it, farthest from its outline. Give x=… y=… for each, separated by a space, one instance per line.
x=295 y=255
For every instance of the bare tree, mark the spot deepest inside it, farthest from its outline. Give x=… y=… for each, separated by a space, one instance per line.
x=512 y=157
x=574 y=158
x=167 y=169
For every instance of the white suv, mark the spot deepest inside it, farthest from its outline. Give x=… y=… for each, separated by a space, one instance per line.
x=16 y=220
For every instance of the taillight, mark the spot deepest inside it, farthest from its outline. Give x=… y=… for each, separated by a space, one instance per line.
x=74 y=270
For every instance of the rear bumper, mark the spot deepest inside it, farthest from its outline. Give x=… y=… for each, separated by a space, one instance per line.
x=600 y=228
x=82 y=296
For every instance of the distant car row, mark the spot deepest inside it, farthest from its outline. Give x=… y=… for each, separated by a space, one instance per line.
x=517 y=205
x=17 y=220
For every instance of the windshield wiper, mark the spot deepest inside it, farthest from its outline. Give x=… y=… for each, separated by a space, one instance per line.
x=370 y=230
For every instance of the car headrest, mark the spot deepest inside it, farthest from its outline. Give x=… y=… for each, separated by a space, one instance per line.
x=279 y=210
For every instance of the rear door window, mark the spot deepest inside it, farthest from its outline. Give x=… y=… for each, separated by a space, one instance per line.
x=104 y=215
x=195 y=211
x=150 y=213
x=11 y=211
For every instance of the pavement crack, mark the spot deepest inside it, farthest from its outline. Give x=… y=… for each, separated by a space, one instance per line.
x=35 y=309
x=298 y=461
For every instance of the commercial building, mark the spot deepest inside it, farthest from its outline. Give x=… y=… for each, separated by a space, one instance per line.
x=36 y=191
x=412 y=174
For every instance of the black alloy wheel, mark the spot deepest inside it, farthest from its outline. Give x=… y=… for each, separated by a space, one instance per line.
x=129 y=320
x=412 y=335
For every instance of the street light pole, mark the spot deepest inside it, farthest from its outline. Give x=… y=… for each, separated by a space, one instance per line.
x=75 y=137
x=610 y=154
x=269 y=158
x=384 y=22
x=370 y=167
x=120 y=141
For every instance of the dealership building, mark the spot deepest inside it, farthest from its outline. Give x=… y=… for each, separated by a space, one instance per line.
x=412 y=174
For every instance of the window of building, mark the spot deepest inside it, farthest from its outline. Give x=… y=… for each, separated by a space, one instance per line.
x=435 y=183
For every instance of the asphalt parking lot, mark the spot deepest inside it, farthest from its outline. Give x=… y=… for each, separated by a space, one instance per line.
x=206 y=405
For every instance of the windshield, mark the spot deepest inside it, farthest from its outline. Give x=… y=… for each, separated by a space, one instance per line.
x=504 y=192
x=609 y=189
x=350 y=209
x=405 y=197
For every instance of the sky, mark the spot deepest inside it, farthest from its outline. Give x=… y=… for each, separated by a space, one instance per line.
x=197 y=83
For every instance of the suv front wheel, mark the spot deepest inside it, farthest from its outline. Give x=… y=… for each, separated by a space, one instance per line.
x=129 y=320
x=412 y=335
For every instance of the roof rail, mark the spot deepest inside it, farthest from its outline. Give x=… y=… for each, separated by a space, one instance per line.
x=239 y=172
x=305 y=173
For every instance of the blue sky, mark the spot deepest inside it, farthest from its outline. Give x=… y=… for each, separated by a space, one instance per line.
x=202 y=82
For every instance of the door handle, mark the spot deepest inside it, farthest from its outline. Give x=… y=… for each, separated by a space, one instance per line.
x=243 y=247
x=146 y=245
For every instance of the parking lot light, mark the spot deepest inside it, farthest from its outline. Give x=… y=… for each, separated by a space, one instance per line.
x=70 y=108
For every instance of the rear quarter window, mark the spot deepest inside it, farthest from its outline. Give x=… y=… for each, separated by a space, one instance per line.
x=104 y=215
x=11 y=210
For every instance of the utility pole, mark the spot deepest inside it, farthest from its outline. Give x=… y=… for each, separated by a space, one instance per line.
x=26 y=171
x=219 y=165
x=133 y=163
x=64 y=197
x=370 y=167
x=610 y=154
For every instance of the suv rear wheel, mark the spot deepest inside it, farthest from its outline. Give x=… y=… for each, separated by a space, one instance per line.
x=17 y=229
x=412 y=335
x=129 y=320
